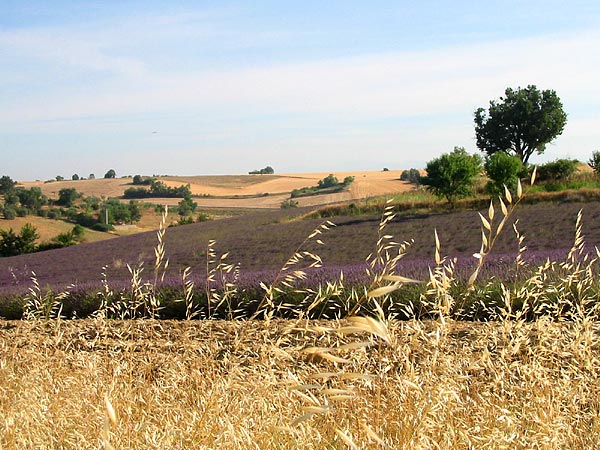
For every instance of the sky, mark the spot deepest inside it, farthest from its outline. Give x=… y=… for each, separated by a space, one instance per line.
x=224 y=87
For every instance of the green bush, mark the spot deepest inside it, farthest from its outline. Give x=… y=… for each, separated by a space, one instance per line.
x=503 y=170
x=594 y=162
x=561 y=169
x=412 y=176
x=289 y=203
x=9 y=212
x=102 y=227
x=452 y=175
x=329 y=181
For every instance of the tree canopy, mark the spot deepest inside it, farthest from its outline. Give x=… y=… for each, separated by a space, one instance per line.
x=6 y=184
x=522 y=122
x=452 y=175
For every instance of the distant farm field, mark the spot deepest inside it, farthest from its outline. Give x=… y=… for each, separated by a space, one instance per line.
x=244 y=191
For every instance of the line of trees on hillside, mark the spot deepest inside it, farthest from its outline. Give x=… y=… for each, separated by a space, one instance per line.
x=329 y=184
x=265 y=171
x=158 y=189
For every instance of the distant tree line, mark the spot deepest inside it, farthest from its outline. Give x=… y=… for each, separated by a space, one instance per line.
x=158 y=189
x=329 y=184
x=266 y=171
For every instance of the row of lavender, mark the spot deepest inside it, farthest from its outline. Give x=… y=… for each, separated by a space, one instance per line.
x=247 y=288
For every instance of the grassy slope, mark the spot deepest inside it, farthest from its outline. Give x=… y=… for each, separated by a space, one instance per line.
x=264 y=241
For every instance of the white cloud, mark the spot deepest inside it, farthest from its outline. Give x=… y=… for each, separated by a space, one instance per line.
x=274 y=108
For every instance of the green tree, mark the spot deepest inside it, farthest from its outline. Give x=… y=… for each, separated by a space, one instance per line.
x=135 y=211
x=59 y=178
x=110 y=174
x=412 y=176
x=9 y=212
x=452 y=175
x=31 y=198
x=6 y=184
x=503 y=170
x=186 y=206
x=75 y=177
x=12 y=244
x=91 y=176
x=67 y=196
x=329 y=181
x=522 y=122
x=594 y=162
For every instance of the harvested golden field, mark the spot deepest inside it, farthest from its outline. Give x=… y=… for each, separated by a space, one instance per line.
x=101 y=187
x=360 y=383
x=50 y=228
x=243 y=191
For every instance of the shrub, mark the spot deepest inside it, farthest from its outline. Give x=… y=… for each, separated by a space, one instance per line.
x=266 y=171
x=9 y=212
x=102 y=227
x=452 y=175
x=412 y=176
x=503 y=170
x=561 y=169
x=289 y=203
x=329 y=181
x=594 y=162
x=67 y=196
x=54 y=214
x=22 y=211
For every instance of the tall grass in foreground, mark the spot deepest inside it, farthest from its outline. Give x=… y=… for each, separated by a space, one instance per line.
x=529 y=378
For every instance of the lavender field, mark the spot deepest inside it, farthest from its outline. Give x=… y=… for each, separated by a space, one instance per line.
x=258 y=246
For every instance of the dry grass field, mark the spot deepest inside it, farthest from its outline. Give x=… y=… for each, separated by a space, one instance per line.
x=243 y=191
x=49 y=228
x=354 y=384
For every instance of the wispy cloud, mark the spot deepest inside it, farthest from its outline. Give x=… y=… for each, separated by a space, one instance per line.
x=127 y=75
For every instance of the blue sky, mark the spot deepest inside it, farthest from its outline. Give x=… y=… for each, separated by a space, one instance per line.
x=203 y=87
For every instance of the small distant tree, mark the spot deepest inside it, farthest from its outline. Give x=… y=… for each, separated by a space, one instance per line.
x=9 y=212
x=67 y=196
x=137 y=179
x=12 y=244
x=6 y=184
x=503 y=170
x=289 y=203
x=135 y=211
x=266 y=171
x=412 y=176
x=59 y=178
x=74 y=177
x=348 y=181
x=91 y=176
x=32 y=198
x=594 y=162
x=329 y=181
x=522 y=122
x=186 y=206
x=452 y=175
x=110 y=174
